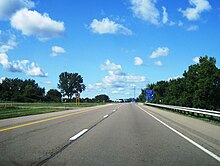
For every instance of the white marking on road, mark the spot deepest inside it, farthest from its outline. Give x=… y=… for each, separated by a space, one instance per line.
x=105 y=116
x=113 y=110
x=185 y=137
x=78 y=135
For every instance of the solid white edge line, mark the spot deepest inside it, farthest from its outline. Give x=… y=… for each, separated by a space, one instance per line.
x=105 y=116
x=78 y=135
x=185 y=137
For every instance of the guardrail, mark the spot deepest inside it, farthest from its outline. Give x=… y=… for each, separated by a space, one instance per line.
x=195 y=111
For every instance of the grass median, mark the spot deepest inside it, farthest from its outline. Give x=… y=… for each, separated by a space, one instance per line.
x=11 y=110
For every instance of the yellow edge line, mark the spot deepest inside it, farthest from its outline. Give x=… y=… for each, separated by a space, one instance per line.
x=45 y=120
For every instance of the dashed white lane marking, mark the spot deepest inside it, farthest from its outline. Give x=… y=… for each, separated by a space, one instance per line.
x=78 y=135
x=183 y=136
x=113 y=110
x=105 y=116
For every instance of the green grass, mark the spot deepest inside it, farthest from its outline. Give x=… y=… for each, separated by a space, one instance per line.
x=49 y=104
x=11 y=110
x=17 y=112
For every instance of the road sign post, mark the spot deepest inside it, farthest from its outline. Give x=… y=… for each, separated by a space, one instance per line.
x=77 y=98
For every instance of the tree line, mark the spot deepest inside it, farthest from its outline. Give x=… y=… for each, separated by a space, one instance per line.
x=199 y=87
x=28 y=90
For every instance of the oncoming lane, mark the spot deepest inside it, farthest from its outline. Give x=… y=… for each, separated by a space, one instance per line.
x=32 y=142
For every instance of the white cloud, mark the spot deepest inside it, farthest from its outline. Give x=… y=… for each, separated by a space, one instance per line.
x=116 y=78
x=199 y=6
x=160 y=51
x=180 y=23
x=33 y=23
x=120 y=89
x=9 y=7
x=146 y=10
x=8 y=44
x=115 y=92
x=47 y=82
x=112 y=68
x=196 y=59
x=2 y=79
x=96 y=86
x=158 y=63
x=165 y=15
x=4 y=60
x=34 y=71
x=138 y=61
x=24 y=66
x=165 y=18
x=192 y=28
x=106 y=26
x=55 y=50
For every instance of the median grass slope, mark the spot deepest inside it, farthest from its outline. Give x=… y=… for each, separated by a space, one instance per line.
x=11 y=110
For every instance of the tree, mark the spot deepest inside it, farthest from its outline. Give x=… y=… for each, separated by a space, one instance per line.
x=199 y=87
x=102 y=98
x=53 y=95
x=142 y=96
x=21 y=91
x=70 y=84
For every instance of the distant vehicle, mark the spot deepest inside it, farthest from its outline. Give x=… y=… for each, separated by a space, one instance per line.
x=119 y=100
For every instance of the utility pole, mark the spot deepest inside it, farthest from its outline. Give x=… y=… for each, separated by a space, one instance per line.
x=134 y=91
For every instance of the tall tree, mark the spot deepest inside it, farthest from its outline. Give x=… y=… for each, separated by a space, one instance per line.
x=70 y=84
x=53 y=95
x=199 y=87
x=102 y=98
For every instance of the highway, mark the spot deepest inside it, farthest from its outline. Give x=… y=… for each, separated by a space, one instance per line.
x=114 y=134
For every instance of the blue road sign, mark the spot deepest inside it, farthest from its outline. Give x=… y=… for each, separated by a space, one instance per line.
x=149 y=94
x=133 y=100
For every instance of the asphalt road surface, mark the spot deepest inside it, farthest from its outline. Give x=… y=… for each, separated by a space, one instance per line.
x=116 y=134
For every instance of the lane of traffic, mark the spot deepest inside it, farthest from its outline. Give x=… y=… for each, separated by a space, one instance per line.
x=202 y=132
x=31 y=144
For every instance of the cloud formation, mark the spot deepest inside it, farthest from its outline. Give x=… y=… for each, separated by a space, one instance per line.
x=165 y=15
x=192 y=28
x=21 y=66
x=138 y=61
x=2 y=79
x=196 y=59
x=9 y=7
x=55 y=50
x=7 y=42
x=160 y=51
x=116 y=78
x=199 y=6
x=33 y=23
x=158 y=63
x=106 y=26
x=146 y=10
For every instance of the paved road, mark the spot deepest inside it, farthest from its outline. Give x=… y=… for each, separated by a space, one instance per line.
x=131 y=135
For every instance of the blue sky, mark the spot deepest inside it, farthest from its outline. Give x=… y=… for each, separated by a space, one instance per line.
x=115 y=45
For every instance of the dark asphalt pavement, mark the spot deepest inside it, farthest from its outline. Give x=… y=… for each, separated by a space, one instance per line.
x=127 y=136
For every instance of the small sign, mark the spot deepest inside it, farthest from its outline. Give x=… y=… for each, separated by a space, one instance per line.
x=77 y=95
